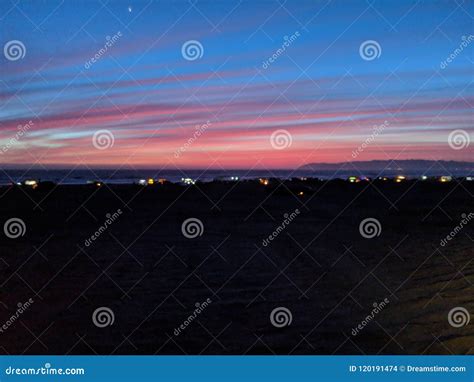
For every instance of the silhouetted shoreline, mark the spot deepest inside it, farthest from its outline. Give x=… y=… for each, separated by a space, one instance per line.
x=412 y=169
x=317 y=265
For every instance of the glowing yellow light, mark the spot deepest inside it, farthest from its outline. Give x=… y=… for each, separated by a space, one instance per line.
x=187 y=181
x=31 y=183
x=150 y=181
x=400 y=178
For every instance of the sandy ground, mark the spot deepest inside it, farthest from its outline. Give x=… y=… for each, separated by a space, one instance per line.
x=319 y=268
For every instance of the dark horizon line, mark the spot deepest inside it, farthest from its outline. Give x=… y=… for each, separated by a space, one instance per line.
x=27 y=167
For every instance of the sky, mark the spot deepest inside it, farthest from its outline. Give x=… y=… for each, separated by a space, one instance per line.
x=234 y=84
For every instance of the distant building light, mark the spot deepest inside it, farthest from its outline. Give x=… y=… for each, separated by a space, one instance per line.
x=142 y=182
x=31 y=183
x=424 y=177
x=95 y=183
x=353 y=179
x=150 y=181
x=264 y=181
x=226 y=179
x=445 y=179
x=188 y=181
x=400 y=178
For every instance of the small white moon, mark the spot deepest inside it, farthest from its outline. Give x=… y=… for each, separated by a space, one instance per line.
x=129 y=9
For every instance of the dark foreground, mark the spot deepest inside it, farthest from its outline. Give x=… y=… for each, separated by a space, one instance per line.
x=318 y=267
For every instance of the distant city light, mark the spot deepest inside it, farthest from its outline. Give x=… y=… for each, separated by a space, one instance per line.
x=188 y=181
x=445 y=179
x=31 y=183
x=400 y=178
x=353 y=179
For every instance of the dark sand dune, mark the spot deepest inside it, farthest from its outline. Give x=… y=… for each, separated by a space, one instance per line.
x=319 y=267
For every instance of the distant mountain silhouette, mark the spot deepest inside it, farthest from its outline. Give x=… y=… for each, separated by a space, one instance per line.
x=409 y=166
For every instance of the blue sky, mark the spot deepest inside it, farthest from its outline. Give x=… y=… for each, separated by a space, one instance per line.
x=319 y=91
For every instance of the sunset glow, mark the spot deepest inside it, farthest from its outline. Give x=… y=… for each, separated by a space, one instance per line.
x=153 y=99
